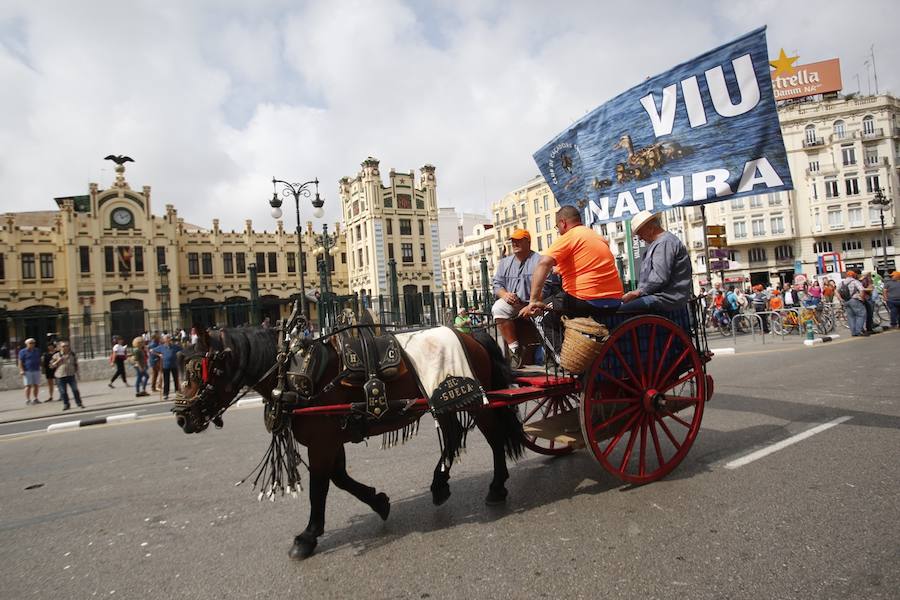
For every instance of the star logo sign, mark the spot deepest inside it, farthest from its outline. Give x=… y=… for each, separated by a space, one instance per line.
x=784 y=64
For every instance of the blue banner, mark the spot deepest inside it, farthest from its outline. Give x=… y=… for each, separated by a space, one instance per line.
x=705 y=131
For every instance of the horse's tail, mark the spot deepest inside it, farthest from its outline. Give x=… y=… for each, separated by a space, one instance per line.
x=501 y=373
x=509 y=426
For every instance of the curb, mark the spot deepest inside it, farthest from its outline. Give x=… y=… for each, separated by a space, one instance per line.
x=94 y=421
x=821 y=340
x=722 y=350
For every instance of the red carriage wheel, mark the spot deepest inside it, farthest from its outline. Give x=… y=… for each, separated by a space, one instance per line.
x=643 y=399
x=543 y=408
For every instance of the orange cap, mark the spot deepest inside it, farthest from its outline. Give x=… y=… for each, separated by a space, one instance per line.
x=520 y=234
x=851 y=273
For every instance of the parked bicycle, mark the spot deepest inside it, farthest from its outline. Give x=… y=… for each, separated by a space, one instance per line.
x=789 y=321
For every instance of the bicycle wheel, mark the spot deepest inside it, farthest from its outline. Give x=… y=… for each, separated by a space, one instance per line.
x=824 y=324
x=881 y=314
x=776 y=324
x=743 y=324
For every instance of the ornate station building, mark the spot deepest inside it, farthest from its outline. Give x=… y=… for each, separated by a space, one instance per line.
x=104 y=264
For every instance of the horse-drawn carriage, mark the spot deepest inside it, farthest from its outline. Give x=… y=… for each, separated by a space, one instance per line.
x=637 y=407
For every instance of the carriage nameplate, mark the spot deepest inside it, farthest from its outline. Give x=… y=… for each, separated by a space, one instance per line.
x=455 y=393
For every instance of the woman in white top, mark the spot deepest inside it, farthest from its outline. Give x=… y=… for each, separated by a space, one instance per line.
x=119 y=354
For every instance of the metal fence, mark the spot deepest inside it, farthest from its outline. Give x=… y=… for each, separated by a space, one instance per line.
x=91 y=335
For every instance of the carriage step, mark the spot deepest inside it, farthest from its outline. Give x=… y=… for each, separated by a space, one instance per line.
x=563 y=428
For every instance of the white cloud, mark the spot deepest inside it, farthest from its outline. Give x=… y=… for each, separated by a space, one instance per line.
x=212 y=99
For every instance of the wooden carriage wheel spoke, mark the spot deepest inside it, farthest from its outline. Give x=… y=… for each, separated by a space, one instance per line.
x=637 y=359
x=538 y=405
x=625 y=364
x=618 y=400
x=674 y=366
x=662 y=358
x=668 y=433
x=613 y=379
x=614 y=418
x=618 y=436
x=675 y=417
x=651 y=346
x=683 y=379
x=632 y=436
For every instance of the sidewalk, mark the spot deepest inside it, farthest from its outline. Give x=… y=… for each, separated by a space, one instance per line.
x=95 y=395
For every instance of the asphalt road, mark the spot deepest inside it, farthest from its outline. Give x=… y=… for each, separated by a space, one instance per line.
x=141 y=510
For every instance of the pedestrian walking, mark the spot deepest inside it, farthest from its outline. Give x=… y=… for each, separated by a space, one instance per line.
x=29 y=359
x=168 y=355
x=853 y=295
x=65 y=366
x=153 y=361
x=139 y=361
x=868 y=285
x=760 y=302
x=117 y=358
x=891 y=296
x=48 y=372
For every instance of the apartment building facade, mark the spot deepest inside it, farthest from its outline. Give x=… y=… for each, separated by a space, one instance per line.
x=395 y=222
x=841 y=152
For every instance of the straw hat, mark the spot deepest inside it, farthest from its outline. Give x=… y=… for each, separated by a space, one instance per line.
x=641 y=219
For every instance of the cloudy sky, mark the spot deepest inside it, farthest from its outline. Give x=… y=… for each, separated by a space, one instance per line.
x=214 y=97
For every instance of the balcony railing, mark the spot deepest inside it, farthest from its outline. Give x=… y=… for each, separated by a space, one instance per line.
x=846 y=136
x=874 y=134
x=814 y=143
x=877 y=161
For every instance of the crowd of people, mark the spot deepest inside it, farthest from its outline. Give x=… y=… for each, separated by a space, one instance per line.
x=858 y=294
x=152 y=358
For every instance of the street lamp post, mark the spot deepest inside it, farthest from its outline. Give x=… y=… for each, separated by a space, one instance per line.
x=882 y=202
x=326 y=245
x=296 y=190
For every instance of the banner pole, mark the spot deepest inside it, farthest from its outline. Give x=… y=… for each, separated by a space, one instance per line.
x=706 y=247
x=630 y=245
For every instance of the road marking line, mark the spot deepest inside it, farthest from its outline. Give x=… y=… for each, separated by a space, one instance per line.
x=740 y=462
x=722 y=350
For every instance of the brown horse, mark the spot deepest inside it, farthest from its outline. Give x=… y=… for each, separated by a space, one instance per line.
x=227 y=361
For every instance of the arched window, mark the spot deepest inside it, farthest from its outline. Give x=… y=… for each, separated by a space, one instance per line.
x=810 y=134
x=840 y=130
x=868 y=125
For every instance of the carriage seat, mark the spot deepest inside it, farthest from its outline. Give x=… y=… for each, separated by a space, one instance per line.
x=367 y=354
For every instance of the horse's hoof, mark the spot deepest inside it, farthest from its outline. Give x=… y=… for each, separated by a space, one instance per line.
x=496 y=497
x=440 y=494
x=302 y=548
x=382 y=506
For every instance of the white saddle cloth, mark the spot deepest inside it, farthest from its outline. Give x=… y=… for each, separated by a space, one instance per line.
x=435 y=354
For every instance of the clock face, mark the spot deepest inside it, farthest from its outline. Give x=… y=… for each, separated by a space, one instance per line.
x=122 y=217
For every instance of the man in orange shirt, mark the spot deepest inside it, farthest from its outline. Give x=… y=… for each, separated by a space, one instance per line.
x=590 y=281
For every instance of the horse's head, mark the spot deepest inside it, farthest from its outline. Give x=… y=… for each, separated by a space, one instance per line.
x=208 y=386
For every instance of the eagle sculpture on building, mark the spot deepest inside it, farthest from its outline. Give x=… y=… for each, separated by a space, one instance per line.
x=119 y=159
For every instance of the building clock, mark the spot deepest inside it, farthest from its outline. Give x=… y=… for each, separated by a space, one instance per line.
x=122 y=217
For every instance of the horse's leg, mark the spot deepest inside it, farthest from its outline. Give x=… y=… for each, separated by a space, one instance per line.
x=451 y=433
x=488 y=424
x=321 y=466
x=379 y=502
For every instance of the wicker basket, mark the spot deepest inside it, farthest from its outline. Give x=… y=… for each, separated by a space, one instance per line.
x=582 y=342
